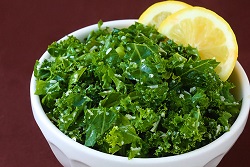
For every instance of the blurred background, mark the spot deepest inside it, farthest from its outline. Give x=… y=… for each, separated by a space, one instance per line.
x=28 y=27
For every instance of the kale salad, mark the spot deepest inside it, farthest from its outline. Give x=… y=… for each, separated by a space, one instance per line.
x=132 y=92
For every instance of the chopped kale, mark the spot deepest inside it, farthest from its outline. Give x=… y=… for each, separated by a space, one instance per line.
x=133 y=92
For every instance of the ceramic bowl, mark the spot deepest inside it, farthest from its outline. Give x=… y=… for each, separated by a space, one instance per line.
x=72 y=154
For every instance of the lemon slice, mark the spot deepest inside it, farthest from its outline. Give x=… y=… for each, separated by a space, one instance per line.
x=208 y=32
x=157 y=12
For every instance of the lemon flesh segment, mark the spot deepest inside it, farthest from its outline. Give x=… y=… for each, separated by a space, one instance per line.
x=208 y=32
x=159 y=11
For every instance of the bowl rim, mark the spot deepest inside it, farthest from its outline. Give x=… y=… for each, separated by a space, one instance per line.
x=39 y=112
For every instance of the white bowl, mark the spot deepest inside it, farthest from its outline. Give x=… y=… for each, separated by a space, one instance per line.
x=70 y=153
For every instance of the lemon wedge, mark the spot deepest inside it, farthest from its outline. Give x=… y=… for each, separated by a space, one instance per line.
x=208 y=32
x=159 y=11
